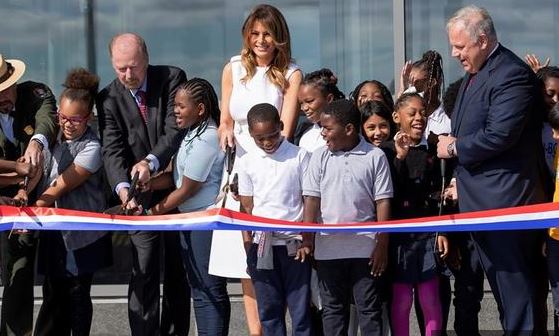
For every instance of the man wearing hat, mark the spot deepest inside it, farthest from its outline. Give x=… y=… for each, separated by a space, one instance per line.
x=27 y=126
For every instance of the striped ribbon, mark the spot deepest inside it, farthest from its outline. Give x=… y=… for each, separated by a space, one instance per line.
x=526 y=217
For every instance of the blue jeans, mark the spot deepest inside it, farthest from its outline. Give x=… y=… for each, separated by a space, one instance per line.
x=342 y=279
x=209 y=293
x=288 y=283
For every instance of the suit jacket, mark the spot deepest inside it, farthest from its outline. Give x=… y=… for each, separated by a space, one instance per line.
x=498 y=132
x=125 y=138
x=35 y=114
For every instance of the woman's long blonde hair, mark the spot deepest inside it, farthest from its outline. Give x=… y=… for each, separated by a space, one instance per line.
x=273 y=20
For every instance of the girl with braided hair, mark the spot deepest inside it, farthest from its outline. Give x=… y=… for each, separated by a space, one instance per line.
x=426 y=77
x=196 y=174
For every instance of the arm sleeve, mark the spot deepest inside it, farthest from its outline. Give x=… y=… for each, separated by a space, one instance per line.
x=311 y=179
x=383 y=182
x=89 y=158
x=200 y=160
x=45 y=119
x=245 y=183
x=114 y=156
x=510 y=104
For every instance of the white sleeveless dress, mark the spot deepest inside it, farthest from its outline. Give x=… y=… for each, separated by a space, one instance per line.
x=228 y=257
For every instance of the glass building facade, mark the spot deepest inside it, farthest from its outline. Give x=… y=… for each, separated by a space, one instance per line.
x=358 y=39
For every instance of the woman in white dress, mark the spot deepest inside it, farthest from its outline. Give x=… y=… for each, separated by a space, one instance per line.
x=263 y=73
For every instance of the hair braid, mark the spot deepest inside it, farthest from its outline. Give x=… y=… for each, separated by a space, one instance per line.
x=202 y=92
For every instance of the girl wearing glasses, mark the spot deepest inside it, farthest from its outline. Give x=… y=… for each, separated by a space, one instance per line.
x=72 y=179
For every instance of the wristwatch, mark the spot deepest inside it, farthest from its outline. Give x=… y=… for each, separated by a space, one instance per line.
x=39 y=142
x=451 y=149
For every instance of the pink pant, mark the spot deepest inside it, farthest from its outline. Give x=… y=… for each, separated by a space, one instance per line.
x=402 y=299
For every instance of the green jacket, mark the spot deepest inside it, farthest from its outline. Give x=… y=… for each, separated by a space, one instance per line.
x=35 y=114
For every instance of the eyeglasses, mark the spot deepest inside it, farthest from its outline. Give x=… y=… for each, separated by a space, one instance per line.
x=75 y=121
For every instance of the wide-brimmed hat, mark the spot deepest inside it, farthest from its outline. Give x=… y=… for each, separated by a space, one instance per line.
x=10 y=72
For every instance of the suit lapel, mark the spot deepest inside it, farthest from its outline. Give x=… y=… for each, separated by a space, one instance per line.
x=467 y=93
x=153 y=95
x=458 y=112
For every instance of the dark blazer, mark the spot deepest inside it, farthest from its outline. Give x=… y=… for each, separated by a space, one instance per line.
x=35 y=114
x=125 y=138
x=498 y=128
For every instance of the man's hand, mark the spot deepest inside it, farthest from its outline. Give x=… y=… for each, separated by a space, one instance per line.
x=442 y=146
x=142 y=168
x=34 y=153
x=132 y=206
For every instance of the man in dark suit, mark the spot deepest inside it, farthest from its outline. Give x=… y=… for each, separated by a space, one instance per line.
x=27 y=126
x=139 y=133
x=495 y=138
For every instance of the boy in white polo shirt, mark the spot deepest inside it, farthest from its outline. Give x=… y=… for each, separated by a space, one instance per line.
x=270 y=185
x=345 y=182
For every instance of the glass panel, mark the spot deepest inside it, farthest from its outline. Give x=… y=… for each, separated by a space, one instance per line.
x=524 y=27
x=354 y=38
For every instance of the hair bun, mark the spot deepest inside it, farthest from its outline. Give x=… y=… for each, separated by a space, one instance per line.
x=81 y=79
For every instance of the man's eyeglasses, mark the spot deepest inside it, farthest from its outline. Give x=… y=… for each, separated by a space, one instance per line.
x=75 y=121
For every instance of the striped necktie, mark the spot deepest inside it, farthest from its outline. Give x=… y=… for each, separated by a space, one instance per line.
x=141 y=99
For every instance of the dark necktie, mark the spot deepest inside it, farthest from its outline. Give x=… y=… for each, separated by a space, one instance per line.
x=470 y=81
x=141 y=98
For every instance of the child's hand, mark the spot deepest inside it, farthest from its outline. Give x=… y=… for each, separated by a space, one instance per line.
x=379 y=257
x=25 y=168
x=402 y=143
x=443 y=246
x=6 y=200
x=304 y=250
x=451 y=192
x=21 y=198
x=405 y=81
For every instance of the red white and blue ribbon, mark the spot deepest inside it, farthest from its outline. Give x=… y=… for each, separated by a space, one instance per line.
x=526 y=217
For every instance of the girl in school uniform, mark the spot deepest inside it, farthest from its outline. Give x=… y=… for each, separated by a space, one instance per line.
x=196 y=177
x=72 y=179
x=317 y=90
x=415 y=175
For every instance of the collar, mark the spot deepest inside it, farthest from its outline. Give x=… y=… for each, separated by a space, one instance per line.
x=486 y=60
x=423 y=142
x=60 y=140
x=360 y=149
x=282 y=147
x=494 y=49
x=7 y=116
x=193 y=131
x=142 y=87
x=438 y=114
